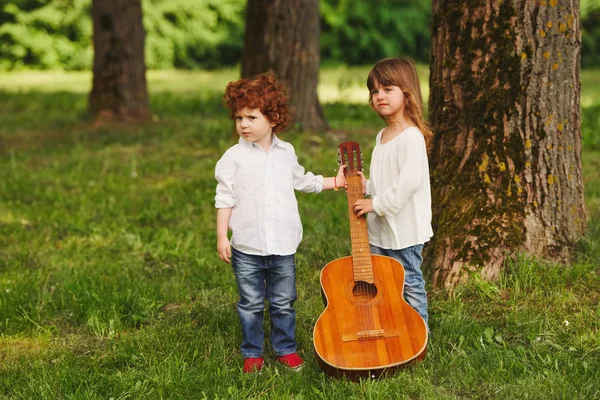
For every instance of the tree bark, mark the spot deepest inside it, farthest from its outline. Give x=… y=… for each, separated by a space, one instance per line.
x=506 y=155
x=119 y=83
x=283 y=36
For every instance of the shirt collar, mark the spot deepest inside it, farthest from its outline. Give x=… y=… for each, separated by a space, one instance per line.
x=248 y=146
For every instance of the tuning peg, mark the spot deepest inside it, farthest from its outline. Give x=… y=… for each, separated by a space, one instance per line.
x=362 y=160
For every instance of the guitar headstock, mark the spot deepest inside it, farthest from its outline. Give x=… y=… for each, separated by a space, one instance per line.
x=349 y=154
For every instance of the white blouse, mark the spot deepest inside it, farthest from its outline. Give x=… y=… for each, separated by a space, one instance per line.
x=399 y=187
x=259 y=187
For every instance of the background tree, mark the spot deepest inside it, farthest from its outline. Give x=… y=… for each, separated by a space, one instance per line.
x=119 y=84
x=283 y=36
x=506 y=158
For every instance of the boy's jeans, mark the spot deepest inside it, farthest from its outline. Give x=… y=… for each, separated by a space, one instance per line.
x=275 y=277
x=414 y=284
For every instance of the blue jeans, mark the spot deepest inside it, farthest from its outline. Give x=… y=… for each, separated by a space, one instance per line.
x=414 y=284
x=275 y=277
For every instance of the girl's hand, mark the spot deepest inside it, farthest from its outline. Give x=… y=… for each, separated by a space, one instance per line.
x=224 y=249
x=363 y=179
x=363 y=206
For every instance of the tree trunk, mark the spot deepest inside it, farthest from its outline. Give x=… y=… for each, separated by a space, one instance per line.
x=283 y=36
x=119 y=84
x=506 y=156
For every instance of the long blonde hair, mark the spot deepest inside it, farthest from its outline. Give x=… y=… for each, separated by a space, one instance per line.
x=402 y=72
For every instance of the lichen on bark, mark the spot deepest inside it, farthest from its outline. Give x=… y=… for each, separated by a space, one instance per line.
x=506 y=155
x=478 y=152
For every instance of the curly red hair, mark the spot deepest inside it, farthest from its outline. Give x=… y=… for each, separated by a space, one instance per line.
x=261 y=91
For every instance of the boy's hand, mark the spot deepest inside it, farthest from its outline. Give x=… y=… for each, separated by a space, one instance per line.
x=363 y=206
x=340 y=178
x=224 y=249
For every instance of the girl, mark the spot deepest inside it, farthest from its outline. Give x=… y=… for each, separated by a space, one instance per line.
x=399 y=218
x=255 y=198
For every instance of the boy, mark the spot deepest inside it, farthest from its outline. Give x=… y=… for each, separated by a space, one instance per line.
x=255 y=199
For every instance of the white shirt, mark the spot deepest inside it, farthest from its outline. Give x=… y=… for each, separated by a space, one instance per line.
x=259 y=187
x=399 y=187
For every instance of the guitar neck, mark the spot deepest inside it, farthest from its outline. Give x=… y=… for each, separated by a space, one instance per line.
x=359 y=235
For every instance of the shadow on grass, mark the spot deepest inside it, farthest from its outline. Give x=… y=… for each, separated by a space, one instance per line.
x=35 y=120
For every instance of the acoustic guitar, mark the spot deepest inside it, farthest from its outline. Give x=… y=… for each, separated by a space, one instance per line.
x=367 y=329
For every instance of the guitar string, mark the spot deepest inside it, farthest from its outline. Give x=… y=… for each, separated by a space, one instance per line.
x=360 y=284
x=365 y=289
x=363 y=230
x=353 y=218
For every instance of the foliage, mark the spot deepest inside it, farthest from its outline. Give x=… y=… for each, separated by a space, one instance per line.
x=360 y=32
x=590 y=110
x=590 y=33
x=590 y=127
x=110 y=286
x=192 y=33
x=55 y=34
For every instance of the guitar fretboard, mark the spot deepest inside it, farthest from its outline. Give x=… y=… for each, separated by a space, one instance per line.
x=361 y=253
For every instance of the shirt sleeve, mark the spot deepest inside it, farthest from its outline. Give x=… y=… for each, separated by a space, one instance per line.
x=225 y=174
x=394 y=198
x=306 y=182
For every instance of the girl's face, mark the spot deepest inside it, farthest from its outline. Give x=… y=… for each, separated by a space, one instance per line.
x=388 y=101
x=252 y=125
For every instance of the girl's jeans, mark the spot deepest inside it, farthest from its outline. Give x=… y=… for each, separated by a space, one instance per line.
x=414 y=284
x=275 y=277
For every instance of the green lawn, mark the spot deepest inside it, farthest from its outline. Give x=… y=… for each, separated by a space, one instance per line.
x=110 y=286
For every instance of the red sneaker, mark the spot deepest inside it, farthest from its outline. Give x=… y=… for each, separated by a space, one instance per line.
x=253 y=364
x=292 y=361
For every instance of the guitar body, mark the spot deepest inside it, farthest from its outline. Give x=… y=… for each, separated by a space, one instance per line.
x=366 y=328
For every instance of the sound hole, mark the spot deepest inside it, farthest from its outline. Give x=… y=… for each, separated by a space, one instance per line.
x=364 y=291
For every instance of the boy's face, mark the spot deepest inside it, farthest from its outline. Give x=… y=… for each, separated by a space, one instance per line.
x=252 y=125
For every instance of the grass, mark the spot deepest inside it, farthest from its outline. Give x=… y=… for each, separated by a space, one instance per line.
x=110 y=286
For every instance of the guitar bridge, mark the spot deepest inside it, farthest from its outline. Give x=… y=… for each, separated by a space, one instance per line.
x=371 y=334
